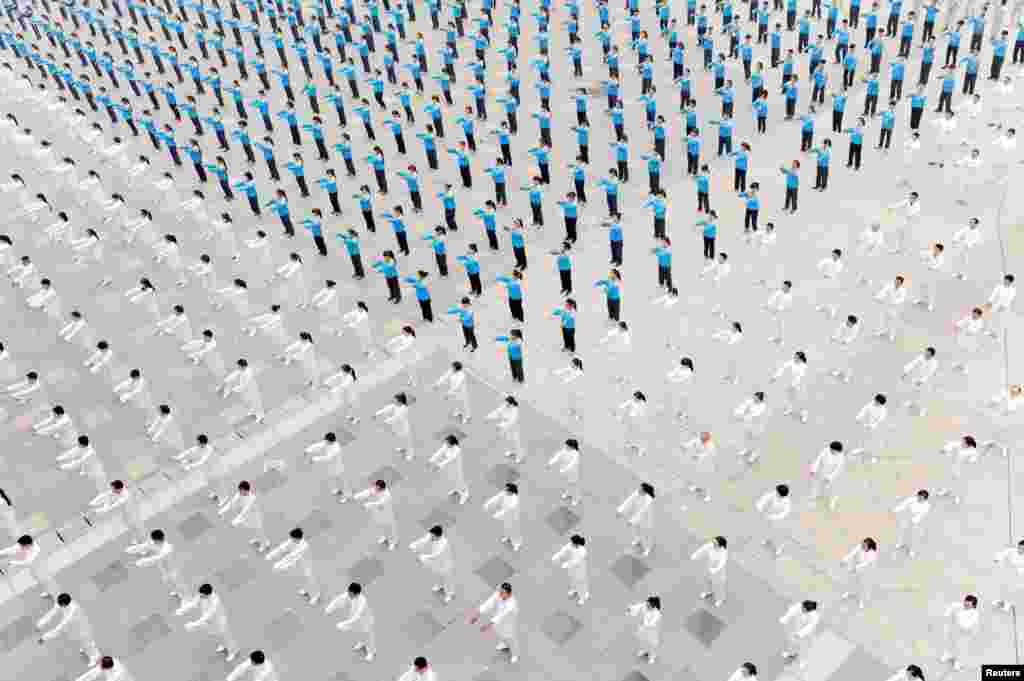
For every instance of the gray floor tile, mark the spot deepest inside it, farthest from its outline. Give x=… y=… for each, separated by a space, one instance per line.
x=316 y=523
x=630 y=570
x=860 y=665
x=422 y=628
x=560 y=627
x=269 y=481
x=494 y=571
x=704 y=626
x=487 y=675
x=150 y=630
x=238 y=574
x=342 y=676
x=563 y=519
x=388 y=474
x=438 y=517
x=345 y=436
x=366 y=570
x=111 y=575
x=18 y=631
x=195 y=526
x=502 y=474
x=281 y=631
x=635 y=676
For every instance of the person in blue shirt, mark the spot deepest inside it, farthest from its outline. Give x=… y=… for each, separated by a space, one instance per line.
x=838 y=108
x=663 y=253
x=267 y=148
x=792 y=174
x=514 y=286
x=999 y=48
x=397 y=219
x=351 y=241
x=824 y=154
x=279 y=206
x=376 y=159
x=439 y=244
x=330 y=185
x=247 y=185
x=946 y=90
x=517 y=232
x=472 y=265
x=613 y=294
x=567 y=316
x=953 y=43
x=447 y=197
x=917 y=103
x=465 y=314
x=970 y=72
x=897 y=70
x=297 y=167
x=462 y=159
x=753 y=208
x=927 y=60
x=703 y=181
x=195 y=152
x=497 y=174
x=658 y=205
x=314 y=226
x=388 y=266
x=536 y=192
x=365 y=199
x=422 y=294
x=570 y=212
x=742 y=160
x=856 y=143
x=514 y=347
x=412 y=181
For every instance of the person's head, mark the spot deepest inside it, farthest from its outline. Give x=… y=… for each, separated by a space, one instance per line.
x=436 y=532
x=748 y=670
x=106 y=663
x=420 y=664
x=914 y=673
x=970 y=602
x=451 y=441
x=205 y=591
x=869 y=544
x=720 y=542
x=505 y=591
x=157 y=536
x=380 y=486
x=782 y=491
x=809 y=606
x=922 y=495
x=354 y=589
x=653 y=602
x=257 y=657
x=244 y=488
x=511 y=488
x=647 y=489
x=880 y=400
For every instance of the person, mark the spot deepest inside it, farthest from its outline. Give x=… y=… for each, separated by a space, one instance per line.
x=775 y=505
x=648 y=628
x=701 y=452
x=716 y=554
x=396 y=415
x=638 y=510
x=248 y=515
x=108 y=669
x=256 y=667
x=458 y=388
x=633 y=413
x=795 y=391
x=962 y=451
x=449 y=456
x=567 y=460
x=504 y=506
x=752 y=414
x=968 y=331
x=572 y=558
x=435 y=551
x=680 y=380
x=912 y=511
x=377 y=500
x=778 y=304
x=71 y=622
x=801 y=622
x=329 y=450
x=746 y=672
x=824 y=471
x=858 y=561
x=295 y=549
x=213 y=618
x=892 y=296
x=404 y=348
x=871 y=417
x=419 y=671
x=359 y=618
x=619 y=341
x=1011 y=562
x=242 y=381
x=918 y=372
x=962 y=625
x=502 y=611
x=507 y=416
x=160 y=552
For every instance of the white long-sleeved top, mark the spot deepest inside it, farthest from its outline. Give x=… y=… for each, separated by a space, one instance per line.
x=910 y=208
x=967 y=237
x=324 y=451
x=503 y=614
x=211 y=614
x=358 y=615
x=379 y=504
x=964 y=619
x=831 y=268
x=828 y=464
x=871 y=240
x=397 y=416
x=916 y=509
x=845 y=334
x=774 y=507
x=457 y=386
x=871 y=415
x=750 y=410
x=797 y=371
x=1012 y=556
x=567 y=461
x=618 y=341
x=716 y=557
x=503 y=506
x=115 y=673
x=638 y=509
x=970 y=326
x=248 y=671
x=780 y=301
x=412 y=674
x=803 y=623
x=961 y=452
x=648 y=629
x=506 y=415
x=248 y=514
x=72 y=620
x=858 y=559
x=679 y=375
x=921 y=368
x=435 y=553
x=932 y=260
x=892 y=294
x=573 y=559
x=1002 y=297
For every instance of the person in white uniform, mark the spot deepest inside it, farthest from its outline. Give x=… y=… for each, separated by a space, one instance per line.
x=795 y=390
x=1011 y=574
x=825 y=470
x=122 y=499
x=933 y=260
x=965 y=240
x=1000 y=304
x=84 y=459
x=831 y=269
x=775 y=505
x=448 y=460
x=396 y=415
x=731 y=337
x=163 y=429
x=700 y=451
x=204 y=349
x=911 y=673
x=213 y=619
x=106 y=669
x=296 y=550
x=858 y=562
x=242 y=382
x=962 y=451
x=501 y=611
x=680 y=381
x=160 y=552
x=70 y=622
x=358 y=319
x=746 y=672
x=752 y=413
x=435 y=551
x=329 y=451
x=845 y=336
x=969 y=332
x=633 y=414
x=403 y=348
x=648 y=628
x=777 y=306
x=506 y=415
x=456 y=388
x=504 y=506
x=303 y=351
x=247 y=514
x=872 y=418
x=800 y=622
x=358 y=618
x=25 y=553
x=572 y=558
x=870 y=242
x=912 y=511
x=962 y=624
x=619 y=343
x=910 y=209
x=567 y=461
x=343 y=383
x=638 y=511
x=254 y=668
x=202 y=457
x=377 y=500
x=571 y=378
x=918 y=372
x=715 y=553
x=135 y=390
x=419 y=671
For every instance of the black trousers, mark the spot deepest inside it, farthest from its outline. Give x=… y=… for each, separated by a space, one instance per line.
x=516 y=367
x=442 y=263
x=520 y=255
x=665 y=276
x=709 y=247
x=614 y=308
x=403 y=242
x=426 y=310
x=821 y=178
x=885 y=138
x=565 y=277
x=791 y=195
x=357 y=265
x=474 y=284
x=570 y=230
x=469 y=335
x=515 y=307
x=616 y=249
x=394 y=292
x=915 y=118
x=854 y=156
x=703 y=202
x=750 y=220
x=569 y=339
x=321 y=246
x=740 y=180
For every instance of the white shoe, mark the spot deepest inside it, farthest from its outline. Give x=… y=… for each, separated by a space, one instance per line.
x=513 y=659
